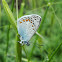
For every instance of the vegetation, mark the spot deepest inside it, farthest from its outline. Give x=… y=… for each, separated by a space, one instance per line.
x=50 y=31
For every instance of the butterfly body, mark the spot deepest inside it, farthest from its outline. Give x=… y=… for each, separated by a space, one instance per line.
x=27 y=26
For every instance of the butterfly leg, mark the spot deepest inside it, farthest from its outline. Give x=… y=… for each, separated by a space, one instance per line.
x=21 y=42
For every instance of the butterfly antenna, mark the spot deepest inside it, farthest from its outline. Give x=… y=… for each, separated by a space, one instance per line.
x=37 y=45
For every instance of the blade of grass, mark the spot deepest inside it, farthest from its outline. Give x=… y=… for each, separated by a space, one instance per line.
x=21 y=9
x=56 y=3
x=12 y=6
x=0 y=14
x=33 y=4
x=25 y=51
x=51 y=56
x=17 y=8
x=52 y=23
x=5 y=26
x=39 y=30
x=43 y=19
x=36 y=9
x=9 y=14
x=56 y=17
x=8 y=30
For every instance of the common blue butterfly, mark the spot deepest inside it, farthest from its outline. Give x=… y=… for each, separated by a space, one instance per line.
x=27 y=26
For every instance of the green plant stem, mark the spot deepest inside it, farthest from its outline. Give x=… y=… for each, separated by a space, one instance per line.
x=7 y=39
x=51 y=56
x=12 y=21
x=56 y=17
x=18 y=45
x=43 y=19
x=21 y=9
x=12 y=6
x=18 y=49
x=0 y=15
x=17 y=8
x=33 y=4
x=25 y=51
x=52 y=23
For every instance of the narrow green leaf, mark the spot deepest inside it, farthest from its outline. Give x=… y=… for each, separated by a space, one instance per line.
x=34 y=4
x=21 y=9
x=0 y=15
x=51 y=56
x=39 y=30
x=8 y=30
x=43 y=19
x=9 y=14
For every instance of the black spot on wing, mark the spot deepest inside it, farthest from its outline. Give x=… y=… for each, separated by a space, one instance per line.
x=40 y=19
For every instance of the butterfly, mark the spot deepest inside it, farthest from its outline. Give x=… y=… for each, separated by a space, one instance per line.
x=27 y=26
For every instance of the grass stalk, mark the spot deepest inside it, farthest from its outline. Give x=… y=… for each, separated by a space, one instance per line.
x=9 y=14
x=18 y=45
x=18 y=50
x=43 y=19
x=51 y=56
x=33 y=4
x=56 y=17
x=17 y=8
x=8 y=30
x=25 y=51
x=0 y=15
x=39 y=30
x=12 y=21
x=21 y=9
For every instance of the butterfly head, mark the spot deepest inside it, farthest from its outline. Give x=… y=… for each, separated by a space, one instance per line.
x=27 y=43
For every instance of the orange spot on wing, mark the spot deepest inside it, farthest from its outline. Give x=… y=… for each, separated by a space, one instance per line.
x=32 y=25
x=24 y=20
x=31 y=21
x=20 y=22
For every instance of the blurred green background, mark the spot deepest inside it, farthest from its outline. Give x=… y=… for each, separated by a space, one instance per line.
x=51 y=31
